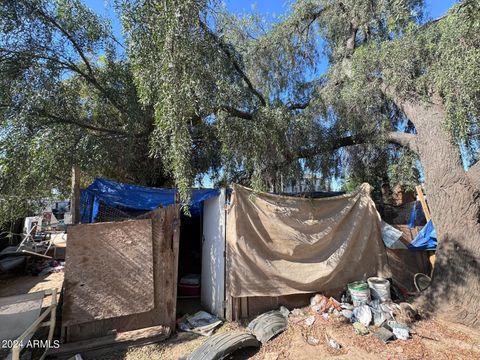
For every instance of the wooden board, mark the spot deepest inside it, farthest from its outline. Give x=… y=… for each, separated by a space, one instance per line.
x=130 y=338
x=108 y=271
x=404 y=264
x=249 y=307
x=165 y=235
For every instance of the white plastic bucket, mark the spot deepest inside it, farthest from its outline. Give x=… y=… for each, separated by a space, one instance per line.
x=360 y=292
x=379 y=288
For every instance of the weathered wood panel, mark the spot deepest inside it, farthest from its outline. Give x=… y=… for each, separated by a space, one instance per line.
x=108 y=271
x=249 y=307
x=165 y=243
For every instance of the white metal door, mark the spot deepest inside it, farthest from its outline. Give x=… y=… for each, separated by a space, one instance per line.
x=213 y=260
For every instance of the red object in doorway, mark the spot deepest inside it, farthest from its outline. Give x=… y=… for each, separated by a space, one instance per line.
x=188 y=290
x=189 y=285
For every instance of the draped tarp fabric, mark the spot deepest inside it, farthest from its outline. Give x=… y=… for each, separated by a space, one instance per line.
x=129 y=197
x=279 y=245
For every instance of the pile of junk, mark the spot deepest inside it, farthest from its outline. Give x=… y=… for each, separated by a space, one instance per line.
x=366 y=305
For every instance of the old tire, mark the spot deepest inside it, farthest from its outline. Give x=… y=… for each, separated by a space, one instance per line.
x=220 y=345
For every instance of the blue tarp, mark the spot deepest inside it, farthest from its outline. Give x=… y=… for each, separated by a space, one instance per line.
x=417 y=217
x=128 y=197
x=426 y=239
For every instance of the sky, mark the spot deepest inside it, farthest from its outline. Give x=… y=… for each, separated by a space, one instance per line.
x=269 y=8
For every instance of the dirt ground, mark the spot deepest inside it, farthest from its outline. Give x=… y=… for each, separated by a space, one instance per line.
x=431 y=339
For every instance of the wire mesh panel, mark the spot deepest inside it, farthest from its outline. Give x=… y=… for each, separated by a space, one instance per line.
x=108 y=213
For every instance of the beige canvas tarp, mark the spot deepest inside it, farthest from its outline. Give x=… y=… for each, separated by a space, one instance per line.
x=280 y=245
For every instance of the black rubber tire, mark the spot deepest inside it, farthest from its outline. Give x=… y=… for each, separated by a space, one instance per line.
x=221 y=345
x=267 y=325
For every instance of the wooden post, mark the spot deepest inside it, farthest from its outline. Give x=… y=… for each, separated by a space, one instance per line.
x=75 y=197
x=423 y=202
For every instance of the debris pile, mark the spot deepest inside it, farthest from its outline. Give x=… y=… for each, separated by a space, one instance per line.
x=367 y=306
x=202 y=323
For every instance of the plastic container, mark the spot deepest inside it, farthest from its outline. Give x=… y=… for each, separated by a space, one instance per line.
x=360 y=292
x=189 y=285
x=379 y=288
x=188 y=290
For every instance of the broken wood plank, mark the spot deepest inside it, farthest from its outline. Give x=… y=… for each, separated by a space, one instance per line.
x=129 y=338
x=421 y=197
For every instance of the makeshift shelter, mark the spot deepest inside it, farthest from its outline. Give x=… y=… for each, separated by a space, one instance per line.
x=255 y=252
x=122 y=264
x=281 y=249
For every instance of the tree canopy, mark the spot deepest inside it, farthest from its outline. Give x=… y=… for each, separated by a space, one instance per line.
x=196 y=89
x=275 y=113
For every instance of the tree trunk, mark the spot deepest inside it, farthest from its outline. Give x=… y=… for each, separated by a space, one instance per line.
x=454 y=202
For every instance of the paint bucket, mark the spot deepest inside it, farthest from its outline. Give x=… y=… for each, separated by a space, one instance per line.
x=360 y=292
x=380 y=288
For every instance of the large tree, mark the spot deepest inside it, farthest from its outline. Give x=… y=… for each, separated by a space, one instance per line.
x=392 y=79
x=67 y=97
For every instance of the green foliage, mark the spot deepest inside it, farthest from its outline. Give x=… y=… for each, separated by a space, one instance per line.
x=403 y=170
x=202 y=90
x=66 y=98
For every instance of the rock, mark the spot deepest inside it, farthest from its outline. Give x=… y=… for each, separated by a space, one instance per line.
x=333 y=344
x=297 y=312
x=311 y=340
x=310 y=320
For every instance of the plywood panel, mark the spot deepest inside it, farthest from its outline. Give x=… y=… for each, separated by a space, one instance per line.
x=165 y=236
x=252 y=306
x=108 y=271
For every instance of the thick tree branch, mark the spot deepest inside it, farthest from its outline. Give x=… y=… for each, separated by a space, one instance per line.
x=61 y=120
x=298 y=106
x=403 y=139
x=398 y=138
x=90 y=75
x=226 y=50
x=238 y=113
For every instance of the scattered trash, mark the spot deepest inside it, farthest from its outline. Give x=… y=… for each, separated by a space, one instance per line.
x=284 y=311
x=332 y=343
x=360 y=329
x=360 y=292
x=346 y=306
x=381 y=312
x=384 y=334
x=310 y=320
x=297 y=313
x=45 y=267
x=311 y=340
x=363 y=314
x=347 y=313
x=401 y=332
x=325 y=316
x=320 y=304
x=201 y=323
x=379 y=288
